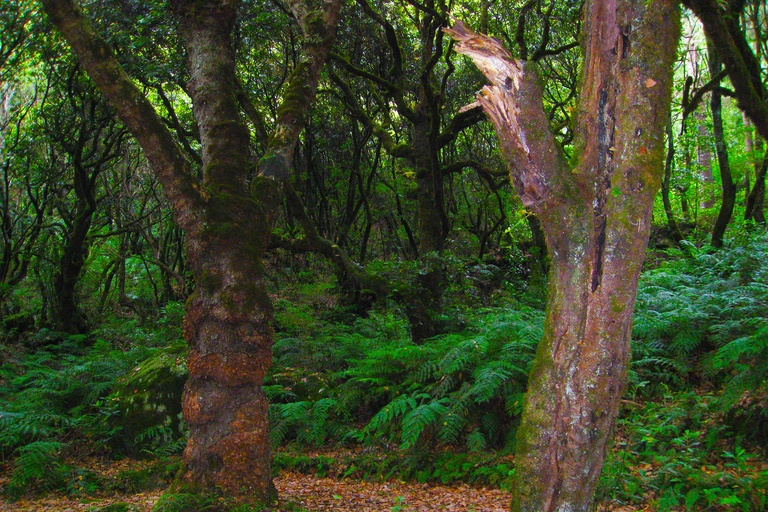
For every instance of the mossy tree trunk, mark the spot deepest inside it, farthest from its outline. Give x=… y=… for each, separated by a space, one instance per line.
x=595 y=213
x=227 y=223
x=669 y=165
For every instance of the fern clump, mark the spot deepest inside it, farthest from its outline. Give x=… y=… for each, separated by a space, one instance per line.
x=705 y=312
x=37 y=468
x=458 y=389
x=56 y=397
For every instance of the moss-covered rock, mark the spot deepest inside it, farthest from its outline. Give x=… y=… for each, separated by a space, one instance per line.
x=148 y=401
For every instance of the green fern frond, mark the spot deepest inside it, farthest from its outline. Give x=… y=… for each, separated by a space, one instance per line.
x=416 y=421
x=396 y=408
x=452 y=427
x=490 y=380
x=476 y=441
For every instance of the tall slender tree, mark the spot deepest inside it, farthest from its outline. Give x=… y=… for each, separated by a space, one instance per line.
x=596 y=213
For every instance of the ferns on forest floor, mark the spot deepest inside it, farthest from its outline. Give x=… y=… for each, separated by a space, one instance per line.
x=706 y=312
x=462 y=388
x=58 y=397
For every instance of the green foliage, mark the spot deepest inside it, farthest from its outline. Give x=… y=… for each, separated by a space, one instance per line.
x=457 y=389
x=706 y=310
x=309 y=423
x=670 y=454
x=148 y=403
x=460 y=388
x=184 y=502
x=479 y=469
x=37 y=468
x=62 y=390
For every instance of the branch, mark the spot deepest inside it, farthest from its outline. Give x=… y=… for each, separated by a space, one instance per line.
x=394 y=44
x=395 y=91
x=313 y=242
x=319 y=28
x=257 y=120
x=740 y=63
x=464 y=119
x=134 y=109
x=482 y=170
x=541 y=50
x=390 y=145
x=690 y=104
x=520 y=34
x=176 y=125
x=514 y=105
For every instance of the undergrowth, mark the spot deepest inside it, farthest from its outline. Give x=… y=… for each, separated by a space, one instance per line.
x=58 y=402
x=443 y=411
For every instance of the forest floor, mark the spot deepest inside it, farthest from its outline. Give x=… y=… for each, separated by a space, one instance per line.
x=307 y=492
x=298 y=493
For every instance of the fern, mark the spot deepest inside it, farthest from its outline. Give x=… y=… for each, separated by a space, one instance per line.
x=490 y=379
x=384 y=419
x=747 y=357
x=37 y=468
x=711 y=301
x=308 y=422
x=419 y=419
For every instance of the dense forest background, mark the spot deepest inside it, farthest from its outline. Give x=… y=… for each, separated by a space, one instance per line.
x=408 y=280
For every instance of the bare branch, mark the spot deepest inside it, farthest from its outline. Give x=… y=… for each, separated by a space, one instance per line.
x=514 y=105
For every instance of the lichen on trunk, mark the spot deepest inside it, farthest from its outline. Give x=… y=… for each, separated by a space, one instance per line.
x=595 y=214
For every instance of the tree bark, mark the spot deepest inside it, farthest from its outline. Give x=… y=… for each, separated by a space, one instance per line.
x=669 y=165
x=754 y=204
x=596 y=218
x=726 y=180
x=227 y=225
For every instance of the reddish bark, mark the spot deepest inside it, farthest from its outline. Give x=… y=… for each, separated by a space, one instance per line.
x=596 y=219
x=228 y=319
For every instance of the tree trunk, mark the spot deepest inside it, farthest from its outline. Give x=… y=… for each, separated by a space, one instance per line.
x=754 y=207
x=704 y=159
x=596 y=218
x=669 y=164
x=68 y=317
x=726 y=180
x=228 y=321
x=227 y=226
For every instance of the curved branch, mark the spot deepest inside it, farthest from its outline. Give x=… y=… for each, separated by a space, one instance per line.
x=395 y=91
x=464 y=119
x=394 y=44
x=318 y=24
x=389 y=144
x=133 y=108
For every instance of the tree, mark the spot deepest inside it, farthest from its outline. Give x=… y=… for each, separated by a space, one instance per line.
x=596 y=213
x=83 y=128
x=726 y=178
x=227 y=217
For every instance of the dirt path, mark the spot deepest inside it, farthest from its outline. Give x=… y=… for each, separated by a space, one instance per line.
x=316 y=494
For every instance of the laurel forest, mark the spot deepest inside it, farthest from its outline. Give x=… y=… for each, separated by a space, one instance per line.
x=319 y=255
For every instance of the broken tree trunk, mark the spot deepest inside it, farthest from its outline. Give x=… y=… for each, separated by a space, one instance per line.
x=595 y=212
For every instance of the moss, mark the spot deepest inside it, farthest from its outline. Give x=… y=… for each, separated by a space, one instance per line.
x=187 y=497
x=208 y=282
x=120 y=507
x=148 y=402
